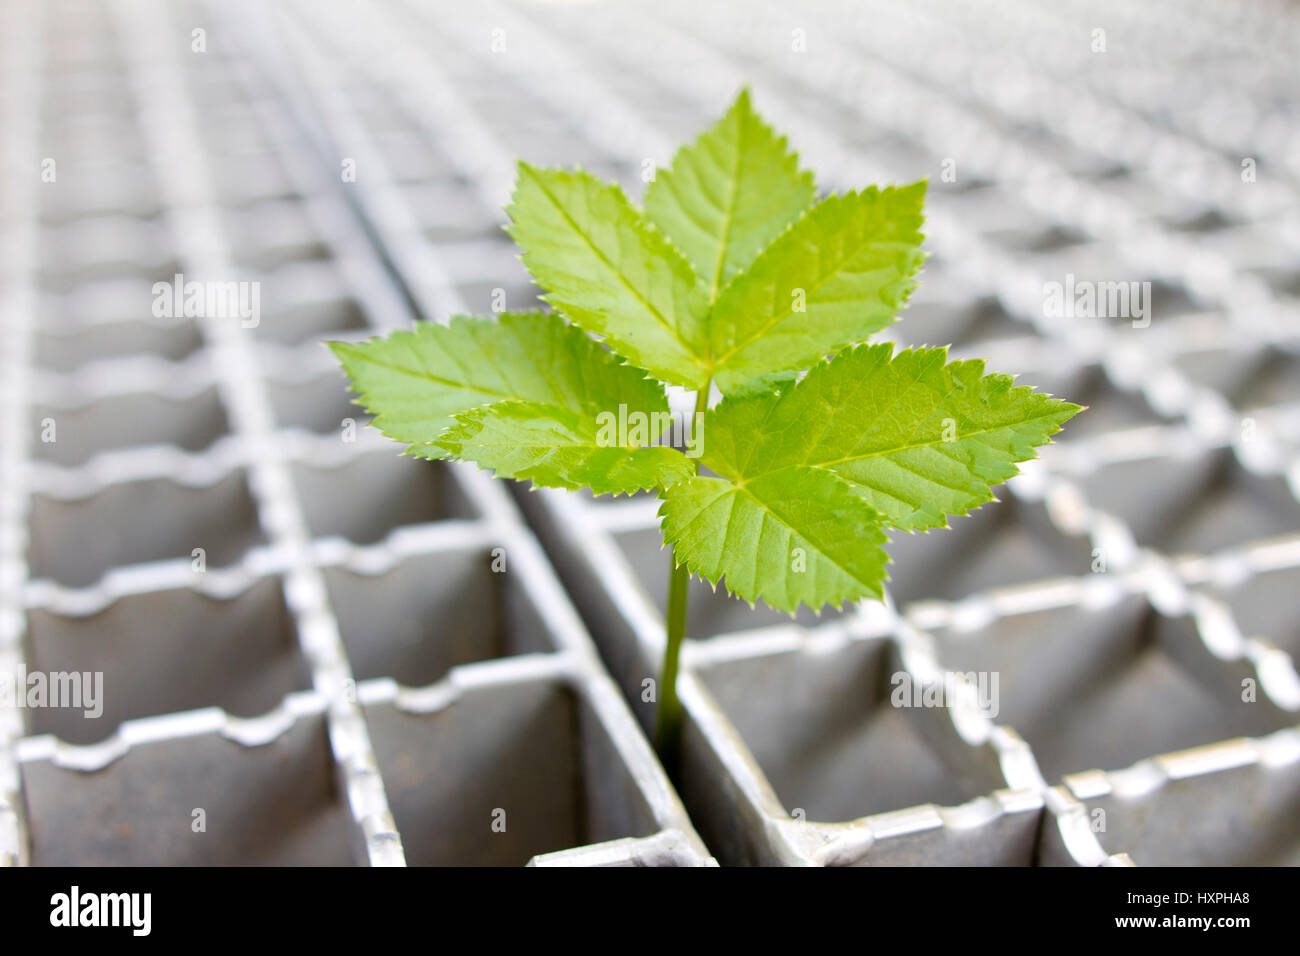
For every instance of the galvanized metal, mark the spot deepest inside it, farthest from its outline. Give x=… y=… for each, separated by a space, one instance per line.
x=1100 y=593
x=312 y=650
x=349 y=679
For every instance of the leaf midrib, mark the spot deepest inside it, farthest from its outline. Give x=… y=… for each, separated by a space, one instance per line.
x=426 y=375
x=618 y=273
x=820 y=548
x=729 y=209
x=831 y=463
x=733 y=488
x=721 y=360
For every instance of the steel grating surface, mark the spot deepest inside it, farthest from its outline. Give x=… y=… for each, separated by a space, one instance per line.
x=1133 y=595
x=315 y=674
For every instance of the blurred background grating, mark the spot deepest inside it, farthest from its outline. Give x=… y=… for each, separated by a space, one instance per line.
x=312 y=639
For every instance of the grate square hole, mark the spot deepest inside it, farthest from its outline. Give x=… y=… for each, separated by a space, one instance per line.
x=828 y=737
x=272 y=805
x=128 y=421
x=535 y=752
x=431 y=613
x=1200 y=504
x=76 y=541
x=167 y=651
x=1103 y=689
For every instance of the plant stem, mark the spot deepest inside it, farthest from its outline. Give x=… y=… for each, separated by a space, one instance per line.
x=668 y=718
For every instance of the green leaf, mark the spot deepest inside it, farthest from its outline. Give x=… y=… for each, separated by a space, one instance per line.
x=415 y=382
x=791 y=536
x=560 y=448
x=610 y=272
x=821 y=444
x=917 y=437
x=835 y=278
x=729 y=194
x=866 y=439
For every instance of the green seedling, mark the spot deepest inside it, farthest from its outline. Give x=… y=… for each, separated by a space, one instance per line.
x=734 y=277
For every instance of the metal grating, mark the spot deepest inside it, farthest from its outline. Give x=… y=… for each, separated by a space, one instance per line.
x=312 y=651
x=1125 y=593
